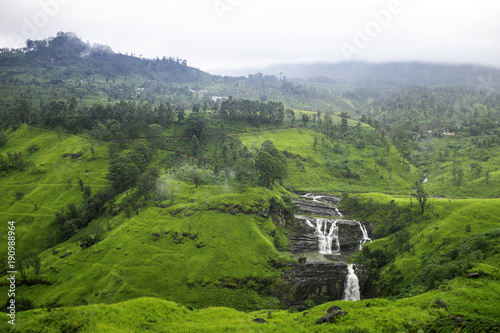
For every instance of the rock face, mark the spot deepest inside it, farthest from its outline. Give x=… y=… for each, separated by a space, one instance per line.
x=311 y=205
x=304 y=239
x=320 y=274
x=321 y=281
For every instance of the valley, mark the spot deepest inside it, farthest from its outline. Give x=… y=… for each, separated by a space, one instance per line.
x=160 y=209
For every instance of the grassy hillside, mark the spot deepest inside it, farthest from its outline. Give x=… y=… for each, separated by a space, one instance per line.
x=421 y=313
x=323 y=168
x=416 y=253
x=202 y=246
x=48 y=182
x=209 y=245
x=478 y=158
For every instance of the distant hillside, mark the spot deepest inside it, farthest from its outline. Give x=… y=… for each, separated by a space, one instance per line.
x=389 y=74
x=67 y=57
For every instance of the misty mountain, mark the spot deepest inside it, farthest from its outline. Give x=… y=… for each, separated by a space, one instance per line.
x=67 y=57
x=389 y=74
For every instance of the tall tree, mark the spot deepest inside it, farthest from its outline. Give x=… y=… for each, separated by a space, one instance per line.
x=344 y=124
x=243 y=171
x=420 y=194
x=271 y=164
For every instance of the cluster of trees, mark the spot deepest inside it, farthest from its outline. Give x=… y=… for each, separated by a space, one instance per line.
x=252 y=112
x=422 y=109
x=122 y=119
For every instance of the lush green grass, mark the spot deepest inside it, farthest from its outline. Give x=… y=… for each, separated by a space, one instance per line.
x=321 y=171
x=464 y=298
x=436 y=158
x=453 y=237
x=195 y=257
x=50 y=183
x=207 y=246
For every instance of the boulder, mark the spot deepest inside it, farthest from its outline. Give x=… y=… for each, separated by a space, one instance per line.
x=334 y=308
x=260 y=321
x=331 y=317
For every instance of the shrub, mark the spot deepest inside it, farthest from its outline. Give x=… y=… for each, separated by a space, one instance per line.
x=33 y=149
x=3 y=139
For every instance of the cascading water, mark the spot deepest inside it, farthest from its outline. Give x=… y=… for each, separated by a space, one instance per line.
x=351 y=289
x=365 y=236
x=338 y=212
x=314 y=197
x=327 y=232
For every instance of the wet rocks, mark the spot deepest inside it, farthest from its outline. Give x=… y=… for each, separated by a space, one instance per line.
x=319 y=281
x=311 y=207
x=331 y=316
x=260 y=321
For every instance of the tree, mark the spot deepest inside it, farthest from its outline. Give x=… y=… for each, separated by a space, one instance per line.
x=458 y=173
x=196 y=124
x=194 y=176
x=23 y=111
x=290 y=117
x=3 y=139
x=305 y=119
x=165 y=114
x=420 y=195
x=243 y=171
x=475 y=166
x=86 y=193
x=401 y=140
x=36 y=263
x=155 y=136
x=196 y=150
x=265 y=165
x=141 y=154
x=271 y=164
x=147 y=181
x=328 y=125
x=123 y=174
x=344 y=124
x=180 y=114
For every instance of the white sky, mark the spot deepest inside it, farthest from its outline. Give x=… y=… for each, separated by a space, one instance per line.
x=222 y=35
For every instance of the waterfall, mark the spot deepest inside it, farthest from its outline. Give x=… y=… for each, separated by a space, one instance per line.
x=328 y=235
x=314 y=197
x=351 y=289
x=365 y=236
x=338 y=212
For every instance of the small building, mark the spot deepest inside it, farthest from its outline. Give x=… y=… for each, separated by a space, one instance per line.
x=216 y=98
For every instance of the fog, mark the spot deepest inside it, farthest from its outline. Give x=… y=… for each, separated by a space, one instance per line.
x=229 y=36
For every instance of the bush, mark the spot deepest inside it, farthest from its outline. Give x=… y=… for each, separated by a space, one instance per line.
x=33 y=149
x=3 y=139
x=280 y=241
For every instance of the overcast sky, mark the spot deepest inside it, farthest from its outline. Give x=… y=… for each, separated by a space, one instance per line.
x=221 y=35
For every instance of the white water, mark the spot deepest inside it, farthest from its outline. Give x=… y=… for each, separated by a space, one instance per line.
x=327 y=232
x=351 y=289
x=365 y=236
x=337 y=210
x=314 y=197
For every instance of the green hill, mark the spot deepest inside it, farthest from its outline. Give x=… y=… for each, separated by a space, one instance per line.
x=421 y=313
x=336 y=166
